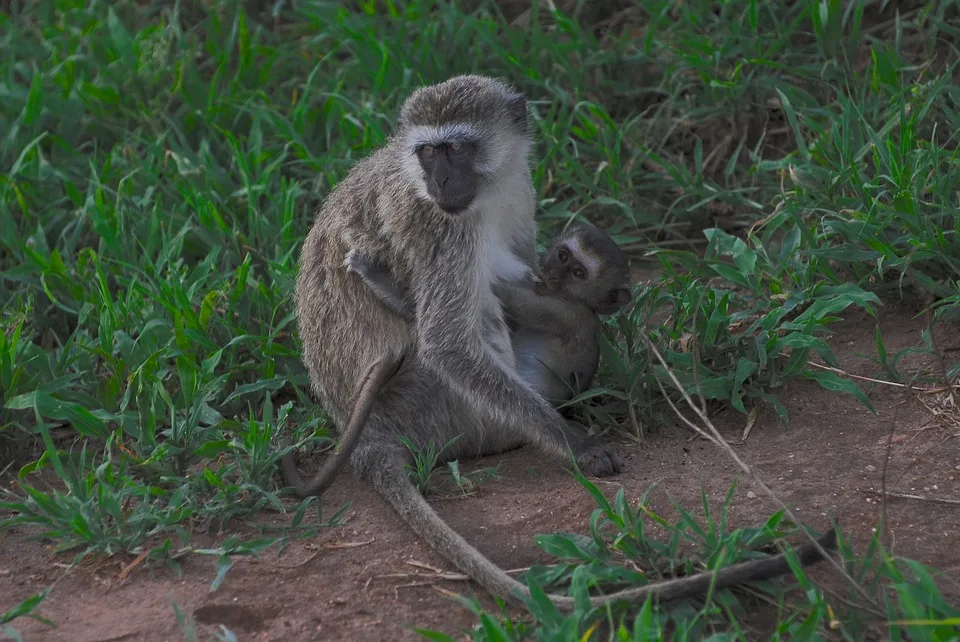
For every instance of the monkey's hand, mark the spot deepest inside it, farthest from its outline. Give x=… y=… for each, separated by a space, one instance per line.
x=600 y=460
x=354 y=261
x=512 y=293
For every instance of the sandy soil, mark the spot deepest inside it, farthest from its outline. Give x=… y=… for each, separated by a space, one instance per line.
x=829 y=460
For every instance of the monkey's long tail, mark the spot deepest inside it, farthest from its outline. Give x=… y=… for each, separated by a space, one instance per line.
x=375 y=377
x=394 y=485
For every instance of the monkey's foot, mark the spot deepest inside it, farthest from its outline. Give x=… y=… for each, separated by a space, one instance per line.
x=600 y=460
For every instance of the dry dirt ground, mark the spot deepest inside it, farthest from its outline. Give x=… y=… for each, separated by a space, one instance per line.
x=828 y=460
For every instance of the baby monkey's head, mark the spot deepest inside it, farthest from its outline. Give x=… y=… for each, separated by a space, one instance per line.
x=587 y=265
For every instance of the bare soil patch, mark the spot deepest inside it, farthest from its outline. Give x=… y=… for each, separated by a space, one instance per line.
x=829 y=460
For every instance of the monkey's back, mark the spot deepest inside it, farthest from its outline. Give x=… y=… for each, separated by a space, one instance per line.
x=342 y=326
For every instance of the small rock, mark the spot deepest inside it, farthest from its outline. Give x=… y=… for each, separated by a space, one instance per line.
x=751 y=495
x=871 y=468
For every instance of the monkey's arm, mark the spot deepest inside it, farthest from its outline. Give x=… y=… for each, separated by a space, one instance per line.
x=450 y=306
x=380 y=284
x=543 y=313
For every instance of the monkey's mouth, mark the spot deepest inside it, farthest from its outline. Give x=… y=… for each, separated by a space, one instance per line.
x=451 y=201
x=551 y=283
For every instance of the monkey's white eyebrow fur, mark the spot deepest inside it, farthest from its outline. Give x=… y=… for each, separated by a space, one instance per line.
x=585 y=257
x=430 y=135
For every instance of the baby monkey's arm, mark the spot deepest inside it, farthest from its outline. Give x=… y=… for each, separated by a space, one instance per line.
x=380 y=284
x=541 y=312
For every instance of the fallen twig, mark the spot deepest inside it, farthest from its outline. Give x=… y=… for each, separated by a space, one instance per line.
x=751 y=421
x=715 y=436
x=125 y=571
x=923 y=498
x=883 y=382
x=331 y=547
x=325 y=547
x=437 y=574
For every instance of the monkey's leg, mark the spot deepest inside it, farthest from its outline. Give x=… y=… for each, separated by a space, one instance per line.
x=504 y=399
x=413 y=403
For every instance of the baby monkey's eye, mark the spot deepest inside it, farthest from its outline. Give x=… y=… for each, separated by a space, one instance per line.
x=427 y=151
x=563 y=256
x=579 y=272
x=454 y=146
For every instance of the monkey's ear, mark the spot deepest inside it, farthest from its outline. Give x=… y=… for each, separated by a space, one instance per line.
x=616 y=299
x=517 y=104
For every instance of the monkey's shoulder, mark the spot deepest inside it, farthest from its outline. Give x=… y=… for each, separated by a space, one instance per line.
x=357 y=197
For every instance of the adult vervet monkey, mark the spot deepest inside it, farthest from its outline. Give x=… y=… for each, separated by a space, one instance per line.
x=446 y=208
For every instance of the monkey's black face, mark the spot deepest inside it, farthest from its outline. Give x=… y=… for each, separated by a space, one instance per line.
x=450 y=175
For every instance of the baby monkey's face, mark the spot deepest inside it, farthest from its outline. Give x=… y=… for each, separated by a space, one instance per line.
x=566 y=267
x=578 y=266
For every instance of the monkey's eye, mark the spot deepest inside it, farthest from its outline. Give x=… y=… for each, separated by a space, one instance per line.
x=456 y=148
x=427 y=151
x=579 y=272
x=563 y=256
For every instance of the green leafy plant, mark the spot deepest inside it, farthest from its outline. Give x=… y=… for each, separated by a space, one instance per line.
x=425 y=459
x=621 y=549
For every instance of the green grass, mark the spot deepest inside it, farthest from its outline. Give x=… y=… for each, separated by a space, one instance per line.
x=621 y=549
x=160 y=164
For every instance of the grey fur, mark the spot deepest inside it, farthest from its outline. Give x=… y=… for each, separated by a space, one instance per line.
x=457 y=376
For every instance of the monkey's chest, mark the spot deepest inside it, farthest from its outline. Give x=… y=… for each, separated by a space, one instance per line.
x=498 y=258
x=508 y=235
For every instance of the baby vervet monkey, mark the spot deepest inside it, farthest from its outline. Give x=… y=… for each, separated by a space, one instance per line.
x=553 y=315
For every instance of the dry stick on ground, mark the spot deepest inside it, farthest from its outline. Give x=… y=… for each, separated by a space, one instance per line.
x=715 y=436
x=442 y=575
x=922 y=498
x=844 y=373
x=321 y=549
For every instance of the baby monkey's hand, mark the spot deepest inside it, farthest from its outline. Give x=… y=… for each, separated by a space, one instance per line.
x=536 y=280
